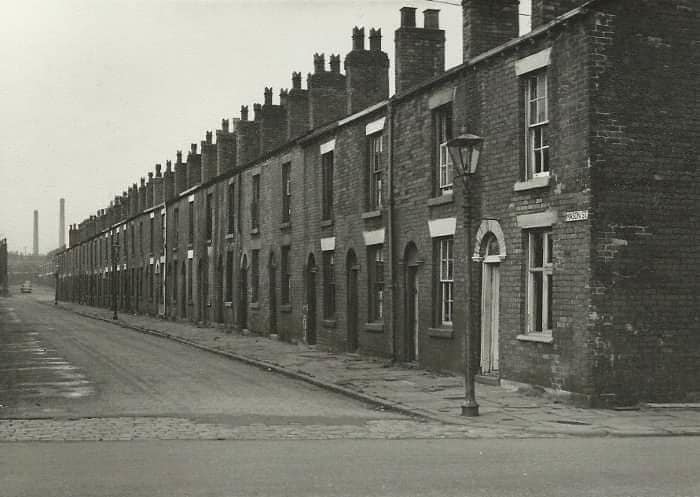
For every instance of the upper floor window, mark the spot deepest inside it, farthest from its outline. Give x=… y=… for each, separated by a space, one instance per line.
x=190 y=221
x=255 y=204
x=445 y=279
x=329 y=284
x=442 y=122
x=539 y=285
x=231 y=197
x=537 y=120
x=176 y=225
x=376 y=147
x=151 y=235
x=210 y=217
x=286 y=192
x=327 y=190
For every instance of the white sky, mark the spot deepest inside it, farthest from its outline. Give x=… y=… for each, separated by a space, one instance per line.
x=93 y=93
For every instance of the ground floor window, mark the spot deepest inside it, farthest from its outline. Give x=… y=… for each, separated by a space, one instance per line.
x=329 y=284
x=229 y=276
x=539 y=286
x=444 y=255
x=255 y=276
x=375 y=266
x=286 y=289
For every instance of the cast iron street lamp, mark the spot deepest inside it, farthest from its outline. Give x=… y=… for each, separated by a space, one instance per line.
x=464 y=151
x=115 y=254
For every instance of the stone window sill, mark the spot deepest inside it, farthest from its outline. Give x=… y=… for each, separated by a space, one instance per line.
x=228 y=304
x=371 y=214
x=536 y=337
x=209 y=242
x=255 y=231
x=285 y=225
x=229 y=236
x=376 y=327
x=441 y=332
x=286 y=308
x=441 y=200
x=326 y=223
x=532 y=183
x=328 y=323
x=254 y=305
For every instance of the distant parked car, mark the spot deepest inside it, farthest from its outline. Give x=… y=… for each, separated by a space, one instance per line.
x=26 y=287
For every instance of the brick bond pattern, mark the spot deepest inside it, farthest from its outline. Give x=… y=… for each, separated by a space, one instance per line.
x=622 y=139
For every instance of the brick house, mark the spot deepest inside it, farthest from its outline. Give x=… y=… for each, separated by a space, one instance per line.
x=336 y=217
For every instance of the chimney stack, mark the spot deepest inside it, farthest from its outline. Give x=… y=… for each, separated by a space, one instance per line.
x=327 y=93
x=225 y=148
x=487 y=24
x=208 y=158
x=544 y=11
x=319 y=63
x=62 y=223
x=335 y=64
x=367 y=71
x=297 y=105
x=273 y=124
x=194 y=167
x=420 y=52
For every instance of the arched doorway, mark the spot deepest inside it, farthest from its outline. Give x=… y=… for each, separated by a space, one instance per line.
x=490 y=297
x=311 y=271
x=351 y=275
x=272 y=272
x=411 y=311
x=243 y=295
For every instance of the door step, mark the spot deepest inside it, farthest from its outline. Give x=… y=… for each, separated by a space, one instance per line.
x=494 y=381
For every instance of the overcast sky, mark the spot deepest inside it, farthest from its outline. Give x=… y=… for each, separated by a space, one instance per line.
x=93 y=93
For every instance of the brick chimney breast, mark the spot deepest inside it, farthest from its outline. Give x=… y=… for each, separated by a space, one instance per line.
x=487 y=24
x=367 y=73
x=420 y=52
x=544 y=11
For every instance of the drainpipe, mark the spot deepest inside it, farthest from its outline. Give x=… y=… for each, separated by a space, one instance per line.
x=390 y=228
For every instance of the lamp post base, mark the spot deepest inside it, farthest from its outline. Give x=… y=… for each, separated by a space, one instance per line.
x=470 y=409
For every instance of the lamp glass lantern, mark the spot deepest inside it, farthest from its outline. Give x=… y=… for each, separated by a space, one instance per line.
x=464 y=151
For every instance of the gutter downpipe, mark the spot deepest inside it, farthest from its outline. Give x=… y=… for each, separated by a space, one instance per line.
x=390 y=229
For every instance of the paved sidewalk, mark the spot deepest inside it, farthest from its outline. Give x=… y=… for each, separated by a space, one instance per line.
x=416 y=392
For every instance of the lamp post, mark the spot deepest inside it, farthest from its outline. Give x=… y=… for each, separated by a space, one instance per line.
x=464 y=151
x=115 y=255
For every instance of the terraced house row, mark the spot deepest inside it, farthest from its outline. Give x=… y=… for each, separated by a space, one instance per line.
x=337 y=215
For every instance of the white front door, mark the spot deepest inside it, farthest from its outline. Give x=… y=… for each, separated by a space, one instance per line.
x=489 y=316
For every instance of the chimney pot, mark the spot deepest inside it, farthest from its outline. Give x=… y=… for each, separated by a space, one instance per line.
x=257 y=108
x=208 y=137
x=358 y=38
x=150 y=176
x=143 y=181
x=375 y=40
x=178 y=154
x=193 y=148
x=431 y=19
x=224 y=125
x=284 y=93
x=168 y=166
x=158 y=168
x=268 y=96
x=244 y=112
x=319 y=63
x=296 y=80
x=408 y=17
x=335 y=63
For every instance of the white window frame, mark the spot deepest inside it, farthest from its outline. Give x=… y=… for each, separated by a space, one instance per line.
x=445 y=170
x=376 y=171
x=376 y=306
x=546 y=271
x=446 y=280
x=536 y=126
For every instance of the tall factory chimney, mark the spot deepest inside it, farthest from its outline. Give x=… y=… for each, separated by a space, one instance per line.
x=36 y=233
x=62 y=223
